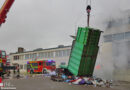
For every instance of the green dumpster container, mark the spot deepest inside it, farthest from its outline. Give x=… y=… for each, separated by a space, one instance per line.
x=84 y=52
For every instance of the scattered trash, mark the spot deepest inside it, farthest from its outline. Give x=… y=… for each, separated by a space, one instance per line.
x=52 y=73
x=96 y=82
x=77 y=81
x=82 y=82
x=64 y=77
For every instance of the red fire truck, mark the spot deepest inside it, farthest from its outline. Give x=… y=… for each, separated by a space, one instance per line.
x=40 y=66
x=4 y=65
x=2 y=61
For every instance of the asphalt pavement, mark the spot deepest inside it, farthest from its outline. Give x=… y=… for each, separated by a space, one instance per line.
x=44 y=83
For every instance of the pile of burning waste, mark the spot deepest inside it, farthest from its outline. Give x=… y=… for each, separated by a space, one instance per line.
x=83 y=80
x=61 y=77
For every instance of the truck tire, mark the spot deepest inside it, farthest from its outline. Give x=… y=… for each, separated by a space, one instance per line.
x=31 y=72
x=44 y=71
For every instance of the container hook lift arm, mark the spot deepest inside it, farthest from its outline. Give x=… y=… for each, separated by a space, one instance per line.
x=4 y=10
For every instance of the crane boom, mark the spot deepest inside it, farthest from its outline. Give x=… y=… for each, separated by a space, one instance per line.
x=4 y=10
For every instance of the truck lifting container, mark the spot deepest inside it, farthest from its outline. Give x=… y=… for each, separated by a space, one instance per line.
x=84 y=52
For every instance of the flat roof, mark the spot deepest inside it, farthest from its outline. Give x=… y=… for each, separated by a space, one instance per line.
x=40 y=49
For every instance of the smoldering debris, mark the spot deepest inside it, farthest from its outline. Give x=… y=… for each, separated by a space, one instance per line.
x=80 y=80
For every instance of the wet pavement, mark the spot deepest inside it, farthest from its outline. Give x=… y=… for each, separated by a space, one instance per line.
x=44 y=83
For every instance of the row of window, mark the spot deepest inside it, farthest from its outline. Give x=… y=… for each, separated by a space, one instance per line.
x=31 y=56
x=18 y=57
x=62 y=53
x=59 y=53
x=116 y=37
x=46 y=55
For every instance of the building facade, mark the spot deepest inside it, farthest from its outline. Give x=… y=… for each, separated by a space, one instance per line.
x=60 y=54
x=114 y=54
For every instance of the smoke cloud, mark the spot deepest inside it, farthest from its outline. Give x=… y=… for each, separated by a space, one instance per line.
x=114 y=56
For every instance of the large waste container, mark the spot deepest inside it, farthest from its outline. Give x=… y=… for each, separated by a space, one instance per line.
x=84 y=52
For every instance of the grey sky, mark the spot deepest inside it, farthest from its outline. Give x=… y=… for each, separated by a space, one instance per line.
x=47 y=23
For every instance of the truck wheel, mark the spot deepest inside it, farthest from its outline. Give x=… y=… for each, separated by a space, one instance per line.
x=44 y=71
x=31 y=72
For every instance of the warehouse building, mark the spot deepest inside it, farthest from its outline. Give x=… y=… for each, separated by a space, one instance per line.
x=60 y=54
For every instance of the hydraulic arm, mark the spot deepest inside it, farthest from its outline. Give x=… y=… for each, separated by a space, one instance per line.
x=4 y=10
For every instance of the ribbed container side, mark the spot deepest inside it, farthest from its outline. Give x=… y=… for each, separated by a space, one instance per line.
x=82 y=35
x=84 y=52
x=87 y=63
x=75 y=58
